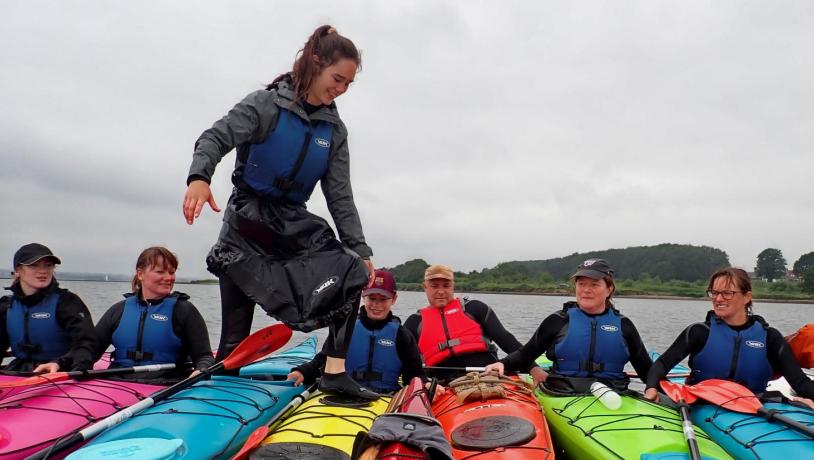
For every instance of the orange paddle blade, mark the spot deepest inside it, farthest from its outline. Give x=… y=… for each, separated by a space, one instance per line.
x=36 y=380
x=727 y=394
x=253 y=441
x=258 y=345
x=677 y=392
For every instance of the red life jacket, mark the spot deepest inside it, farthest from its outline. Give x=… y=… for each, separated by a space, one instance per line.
x=447 y=332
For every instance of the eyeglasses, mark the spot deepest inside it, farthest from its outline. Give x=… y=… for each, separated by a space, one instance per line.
x=727 y=295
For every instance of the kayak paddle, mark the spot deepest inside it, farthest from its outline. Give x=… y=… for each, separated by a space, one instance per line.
x=260 y=434
x=252 y=348
x=681 y=395
x=82 y=375
x=737 y=398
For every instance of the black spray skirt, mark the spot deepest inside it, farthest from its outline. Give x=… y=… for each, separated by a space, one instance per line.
x=288 y=261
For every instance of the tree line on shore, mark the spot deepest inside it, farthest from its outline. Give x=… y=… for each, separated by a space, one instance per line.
x=664 y=269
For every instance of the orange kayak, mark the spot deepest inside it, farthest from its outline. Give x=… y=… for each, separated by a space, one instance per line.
x=490 y=426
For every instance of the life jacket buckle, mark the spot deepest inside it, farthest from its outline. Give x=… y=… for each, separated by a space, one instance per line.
x=448 y=344
x=286 y=184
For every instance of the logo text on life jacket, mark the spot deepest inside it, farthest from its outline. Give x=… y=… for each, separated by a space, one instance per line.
x=322 y=142
x=41 y=315
x=755 y=344
x=159 y=317
x=609 y=328
x=449 y=312
x=326 y=284
x=386 y=342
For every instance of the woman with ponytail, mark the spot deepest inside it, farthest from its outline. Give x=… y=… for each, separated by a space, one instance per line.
x=154 y=324
x=271 y=251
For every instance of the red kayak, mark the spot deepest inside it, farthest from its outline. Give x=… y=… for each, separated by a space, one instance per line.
x=412 y=399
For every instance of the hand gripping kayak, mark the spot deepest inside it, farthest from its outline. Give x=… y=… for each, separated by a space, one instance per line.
x=83 y=375
x=681 y=395
x=252 y=348
x=737 y=398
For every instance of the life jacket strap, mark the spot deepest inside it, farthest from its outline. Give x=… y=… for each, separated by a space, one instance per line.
x=139 y=355
x=449 y=344
x=287 y=184
x=362 y=376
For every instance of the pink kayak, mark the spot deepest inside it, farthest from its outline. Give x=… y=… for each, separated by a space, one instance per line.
x=33 y=417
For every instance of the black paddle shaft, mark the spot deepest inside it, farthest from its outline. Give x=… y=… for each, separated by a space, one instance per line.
x=773 y=415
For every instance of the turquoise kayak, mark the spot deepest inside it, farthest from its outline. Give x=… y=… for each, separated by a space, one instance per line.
x=277 y=367
x=747 y=436
x=211 y=419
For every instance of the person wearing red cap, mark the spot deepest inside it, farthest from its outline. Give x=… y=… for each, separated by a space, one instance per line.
x=457 y=333
x=47 y=328
x=588 y=340
x=394 y=352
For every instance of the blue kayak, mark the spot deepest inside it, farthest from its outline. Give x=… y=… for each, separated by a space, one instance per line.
x=211 y=419
x=277 y=367
x=747 y=436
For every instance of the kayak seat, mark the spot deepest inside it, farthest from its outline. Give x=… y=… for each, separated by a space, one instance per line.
x=492 y=432
x=298 y=451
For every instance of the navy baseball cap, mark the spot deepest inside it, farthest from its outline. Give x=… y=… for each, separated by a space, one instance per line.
x=594 y=268
x=33 y=252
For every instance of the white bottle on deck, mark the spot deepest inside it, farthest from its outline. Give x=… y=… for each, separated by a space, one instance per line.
x=606 y=396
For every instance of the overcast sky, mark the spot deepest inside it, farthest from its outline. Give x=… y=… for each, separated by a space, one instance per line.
x=480 y=132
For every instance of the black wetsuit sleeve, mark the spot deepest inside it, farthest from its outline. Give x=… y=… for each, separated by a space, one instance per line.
x=690 y=341
x=782 y=361
x=539 y=343
x=190 y=326
x=312 y=370
x=412 y=324
x=105 y=327
x=638 y=352
x=74 y=317
x=5 y=342
x=492 y=327
x=407 y=349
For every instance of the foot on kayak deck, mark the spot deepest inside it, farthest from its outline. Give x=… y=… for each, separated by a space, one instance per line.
x=342 y=384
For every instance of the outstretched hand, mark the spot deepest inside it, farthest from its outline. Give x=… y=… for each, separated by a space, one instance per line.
x=651 y=394
x=296 y=376
x=46 y=368
x=198 y=194
x=371 y=272
x=495 y=368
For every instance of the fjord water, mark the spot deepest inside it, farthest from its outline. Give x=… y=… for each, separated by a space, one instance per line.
x=659 y=321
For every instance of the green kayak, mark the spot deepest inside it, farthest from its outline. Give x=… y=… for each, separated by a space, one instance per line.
x=639 y=429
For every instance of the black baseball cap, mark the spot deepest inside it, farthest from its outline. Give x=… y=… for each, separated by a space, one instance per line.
x=32 y=252
x=594 y=268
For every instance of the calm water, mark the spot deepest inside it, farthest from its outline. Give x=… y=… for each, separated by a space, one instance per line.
x=659 y=321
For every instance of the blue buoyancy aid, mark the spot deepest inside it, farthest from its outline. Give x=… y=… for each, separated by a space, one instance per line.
x=373 y=360
x=34 y=332
x=733 y=355
x=592 y=346
x=292 y=159
x=145 y=335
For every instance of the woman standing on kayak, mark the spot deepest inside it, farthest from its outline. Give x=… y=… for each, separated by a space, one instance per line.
x=587 y=340
x=732 y=343
x=153 y=324
x=48 y=328
x=271 y=251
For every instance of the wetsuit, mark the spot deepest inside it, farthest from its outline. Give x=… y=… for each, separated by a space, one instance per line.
x=72 y=316
x=553 y=330
x=492 y=329
x=187 y=324
x=693 y=339
x=406 y=349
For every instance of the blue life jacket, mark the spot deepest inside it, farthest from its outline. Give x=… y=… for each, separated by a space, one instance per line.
x=144 y=334
x=372 y=357
x=592 y=346
x=34 y=333
x=292 y=159
x=734 y=355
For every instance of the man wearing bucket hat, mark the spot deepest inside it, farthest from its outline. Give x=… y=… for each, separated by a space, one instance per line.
x=455 y=332
x=588 y=340
x=394 y=350
x=48 y=328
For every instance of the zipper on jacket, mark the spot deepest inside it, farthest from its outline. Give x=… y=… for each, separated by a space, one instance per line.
x=26 y=345
x=141 y=320
x=370 y=356
x=734 y=364
x=289 y=184
x=593 y=345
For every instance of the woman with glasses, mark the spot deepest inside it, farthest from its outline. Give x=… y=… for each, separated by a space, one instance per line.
x=732 y=343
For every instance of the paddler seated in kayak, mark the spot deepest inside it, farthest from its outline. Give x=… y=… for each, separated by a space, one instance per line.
x=732 y=343
x=271 y=250
x=457 y=333
x=588 y=340
x=394 y=352
x=154 y=325
x=48 y=328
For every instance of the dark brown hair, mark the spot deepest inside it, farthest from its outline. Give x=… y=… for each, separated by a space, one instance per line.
x=736 y=276
x=151 y=257
x=328 y=46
